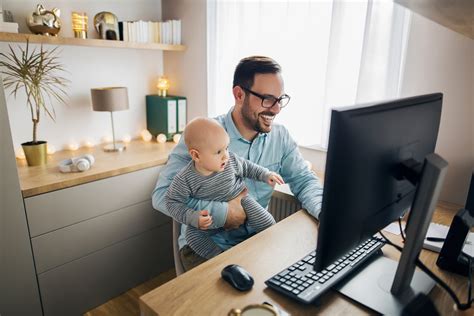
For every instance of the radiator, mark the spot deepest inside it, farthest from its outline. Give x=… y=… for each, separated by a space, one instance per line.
x=283 y=205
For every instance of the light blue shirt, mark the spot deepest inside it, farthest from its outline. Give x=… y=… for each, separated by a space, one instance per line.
x=275 y=150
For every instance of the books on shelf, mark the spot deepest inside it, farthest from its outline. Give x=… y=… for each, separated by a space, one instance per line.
x=168 y=32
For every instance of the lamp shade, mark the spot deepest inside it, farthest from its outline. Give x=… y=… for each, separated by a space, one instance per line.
x=109 y=99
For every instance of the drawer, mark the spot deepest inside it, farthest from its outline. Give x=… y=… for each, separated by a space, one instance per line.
x=54 y=210
x=80 y=285
x=72 y=242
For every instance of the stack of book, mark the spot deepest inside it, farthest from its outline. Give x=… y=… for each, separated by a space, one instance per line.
x=168 y=32
x=9 y=27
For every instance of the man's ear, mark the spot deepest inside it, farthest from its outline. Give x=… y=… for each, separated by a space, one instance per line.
x=239 y=95
x=194 y=154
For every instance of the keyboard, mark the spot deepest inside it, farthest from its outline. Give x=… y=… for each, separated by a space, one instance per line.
x=299 y=281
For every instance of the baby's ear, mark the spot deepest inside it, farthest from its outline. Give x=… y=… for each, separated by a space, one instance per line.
x=194 y=154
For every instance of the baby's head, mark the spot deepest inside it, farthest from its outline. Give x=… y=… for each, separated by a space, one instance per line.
x=207 y=143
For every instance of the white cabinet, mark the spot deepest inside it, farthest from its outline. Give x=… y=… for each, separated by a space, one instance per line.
x=94 y=241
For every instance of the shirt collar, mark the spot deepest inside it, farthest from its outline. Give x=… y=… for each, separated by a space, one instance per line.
x=232 y=129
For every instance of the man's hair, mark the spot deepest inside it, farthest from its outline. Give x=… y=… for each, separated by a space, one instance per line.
x=248 y=67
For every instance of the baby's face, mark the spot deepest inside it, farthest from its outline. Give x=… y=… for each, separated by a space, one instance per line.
x=215 y=155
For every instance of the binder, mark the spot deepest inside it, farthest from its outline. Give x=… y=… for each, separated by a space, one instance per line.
x=166 y=115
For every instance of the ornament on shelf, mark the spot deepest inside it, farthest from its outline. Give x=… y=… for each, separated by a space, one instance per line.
x=44 y=22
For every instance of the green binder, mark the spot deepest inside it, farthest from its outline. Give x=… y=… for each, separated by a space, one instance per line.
x=165 y=115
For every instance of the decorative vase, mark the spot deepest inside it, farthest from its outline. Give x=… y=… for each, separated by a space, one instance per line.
x=36 y=153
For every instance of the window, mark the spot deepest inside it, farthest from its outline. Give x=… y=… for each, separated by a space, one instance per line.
x=333 y=53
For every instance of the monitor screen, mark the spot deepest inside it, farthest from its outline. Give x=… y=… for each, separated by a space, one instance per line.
x=367 y=145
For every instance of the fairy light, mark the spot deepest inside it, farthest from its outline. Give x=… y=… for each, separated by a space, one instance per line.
x=176 y=138
x=161 y=138
x=89 y=144
x=51 y=149
x=127 y=139
x=73 y=146
x=146 y=136
x=20 y=154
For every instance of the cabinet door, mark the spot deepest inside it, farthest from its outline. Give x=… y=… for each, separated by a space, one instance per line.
x=80 y=285
x=54 y=210
x=72 y=242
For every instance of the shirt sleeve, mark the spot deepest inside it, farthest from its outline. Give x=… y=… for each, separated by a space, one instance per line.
x=303 y=182
x=251 y=170
x=177 y=160
x=176 y=200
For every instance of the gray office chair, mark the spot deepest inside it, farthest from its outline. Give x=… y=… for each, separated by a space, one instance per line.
x=178 y=266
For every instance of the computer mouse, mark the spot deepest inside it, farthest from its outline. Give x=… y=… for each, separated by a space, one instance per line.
x=238 y=277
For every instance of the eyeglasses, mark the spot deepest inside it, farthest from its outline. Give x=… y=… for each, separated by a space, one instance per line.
x=269 y=101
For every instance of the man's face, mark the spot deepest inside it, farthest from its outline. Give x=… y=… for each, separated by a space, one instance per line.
x=254 y=114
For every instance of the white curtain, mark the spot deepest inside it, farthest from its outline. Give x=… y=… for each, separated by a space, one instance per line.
x=333 y=53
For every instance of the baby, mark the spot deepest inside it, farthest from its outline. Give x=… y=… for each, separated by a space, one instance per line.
x=214 y=174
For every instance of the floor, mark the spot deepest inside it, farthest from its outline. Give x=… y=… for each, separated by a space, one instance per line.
x=127 y=303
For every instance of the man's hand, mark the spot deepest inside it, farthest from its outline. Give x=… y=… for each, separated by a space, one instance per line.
x=235 y=213
x=205 y=220
x=274 y=178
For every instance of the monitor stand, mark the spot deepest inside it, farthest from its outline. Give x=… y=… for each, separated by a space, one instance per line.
x=385 y=285
x=371 y=287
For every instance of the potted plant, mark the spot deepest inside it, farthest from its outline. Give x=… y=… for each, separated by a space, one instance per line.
x=37 y=74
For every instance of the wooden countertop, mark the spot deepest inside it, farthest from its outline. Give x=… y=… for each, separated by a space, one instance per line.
x=138 y=155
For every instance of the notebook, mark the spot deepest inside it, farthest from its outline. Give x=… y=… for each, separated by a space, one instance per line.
x=441 y=231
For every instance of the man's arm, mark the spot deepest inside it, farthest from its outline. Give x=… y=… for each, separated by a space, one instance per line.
x=303 y=182
x=223 y=214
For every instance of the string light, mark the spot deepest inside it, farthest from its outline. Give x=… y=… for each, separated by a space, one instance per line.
x=20 y=154
x=161 y=138
x=127 y=139
x=176 y=138
x=51 y=149
x=73 y=146
x=146 y=136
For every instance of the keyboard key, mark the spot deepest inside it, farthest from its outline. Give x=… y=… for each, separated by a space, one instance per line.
x=296 y=292
x=287 y=287
x=277 y=283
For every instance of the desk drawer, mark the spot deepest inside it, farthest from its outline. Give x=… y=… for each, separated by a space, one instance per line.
x=72 y=242
x=54 y=210
x=80 y=285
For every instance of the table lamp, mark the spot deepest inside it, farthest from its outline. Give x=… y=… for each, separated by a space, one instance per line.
x=110 y=99
x=163 y=86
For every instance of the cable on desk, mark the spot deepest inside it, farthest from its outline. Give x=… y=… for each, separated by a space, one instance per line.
x=421 y=265
x=401 y=228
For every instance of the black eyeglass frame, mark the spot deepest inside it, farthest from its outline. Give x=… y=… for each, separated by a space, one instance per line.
x=266 y=97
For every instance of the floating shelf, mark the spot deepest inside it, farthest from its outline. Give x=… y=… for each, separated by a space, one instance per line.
x=53 y=40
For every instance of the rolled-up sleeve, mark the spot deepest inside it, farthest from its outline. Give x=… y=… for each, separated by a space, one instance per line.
x=304 y=184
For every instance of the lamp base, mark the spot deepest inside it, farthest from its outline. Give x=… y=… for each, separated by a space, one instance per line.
x=114 y=148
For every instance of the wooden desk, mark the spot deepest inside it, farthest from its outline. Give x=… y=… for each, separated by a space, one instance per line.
x=201 y=291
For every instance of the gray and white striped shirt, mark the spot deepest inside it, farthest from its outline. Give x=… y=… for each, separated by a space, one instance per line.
x=219 y=186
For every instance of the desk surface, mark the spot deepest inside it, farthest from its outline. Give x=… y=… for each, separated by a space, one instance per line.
x=47 y=178
x=202 y=291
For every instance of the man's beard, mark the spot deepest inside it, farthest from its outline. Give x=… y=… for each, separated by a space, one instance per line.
x=252 y=122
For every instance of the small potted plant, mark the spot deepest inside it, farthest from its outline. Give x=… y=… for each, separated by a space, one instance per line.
x=37 y=74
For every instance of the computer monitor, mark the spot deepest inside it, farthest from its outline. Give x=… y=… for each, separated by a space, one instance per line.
x=376 y=162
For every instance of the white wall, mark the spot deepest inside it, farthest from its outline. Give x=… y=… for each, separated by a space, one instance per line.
x=440 y=60
x=187 y=70
x=91 y=67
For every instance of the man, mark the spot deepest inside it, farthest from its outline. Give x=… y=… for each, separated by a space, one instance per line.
x=259 y=96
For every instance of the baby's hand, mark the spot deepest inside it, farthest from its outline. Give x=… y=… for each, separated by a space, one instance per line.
x=275 y=178
x=205 y=220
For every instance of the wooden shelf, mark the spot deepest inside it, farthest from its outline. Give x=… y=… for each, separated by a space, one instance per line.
x=15 y=37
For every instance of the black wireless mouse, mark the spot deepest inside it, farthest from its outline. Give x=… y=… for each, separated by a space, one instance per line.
x=238 y=277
